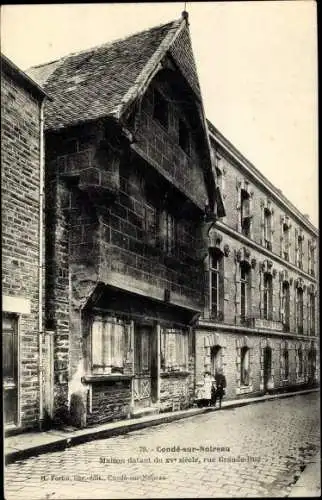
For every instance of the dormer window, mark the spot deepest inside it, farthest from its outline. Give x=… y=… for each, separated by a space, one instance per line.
x=160 y=109
x=184 y=137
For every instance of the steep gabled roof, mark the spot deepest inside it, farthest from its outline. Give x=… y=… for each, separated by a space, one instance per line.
x=98 y=82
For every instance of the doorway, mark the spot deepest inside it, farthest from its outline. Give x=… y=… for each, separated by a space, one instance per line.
x=145 y=366
x=10 y=368
x=216 y=359
x=267 y=368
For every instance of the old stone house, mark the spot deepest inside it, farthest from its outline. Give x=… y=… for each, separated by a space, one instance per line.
x=21 y=203
x=130 y=188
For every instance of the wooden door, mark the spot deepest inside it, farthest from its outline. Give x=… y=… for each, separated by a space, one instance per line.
x=10 y=368
x=142 y=365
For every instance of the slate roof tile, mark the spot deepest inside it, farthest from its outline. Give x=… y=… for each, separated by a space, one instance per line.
x=92 y=83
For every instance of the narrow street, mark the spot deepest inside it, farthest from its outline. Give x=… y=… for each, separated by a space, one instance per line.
x=253 y=451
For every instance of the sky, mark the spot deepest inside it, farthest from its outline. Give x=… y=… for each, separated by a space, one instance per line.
x=256 y=61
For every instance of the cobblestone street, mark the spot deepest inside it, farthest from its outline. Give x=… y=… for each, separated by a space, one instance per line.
x=253 y=451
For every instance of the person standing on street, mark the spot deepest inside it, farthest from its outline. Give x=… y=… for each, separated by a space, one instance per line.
x=221 y=384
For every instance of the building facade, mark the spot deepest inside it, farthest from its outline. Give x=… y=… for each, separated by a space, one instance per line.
x=165 y=252
x=260 y=322
x=21 y=101
x=125 y=230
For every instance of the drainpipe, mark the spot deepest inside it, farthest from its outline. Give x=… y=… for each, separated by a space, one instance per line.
x=41 y=260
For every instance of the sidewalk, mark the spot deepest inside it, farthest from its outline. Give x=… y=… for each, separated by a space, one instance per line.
x=309 y=482
x=29 y=444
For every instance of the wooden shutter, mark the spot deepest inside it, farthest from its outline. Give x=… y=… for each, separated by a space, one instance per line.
x=238 y=291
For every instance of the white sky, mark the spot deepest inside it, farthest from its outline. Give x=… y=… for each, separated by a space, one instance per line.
x=257 y=64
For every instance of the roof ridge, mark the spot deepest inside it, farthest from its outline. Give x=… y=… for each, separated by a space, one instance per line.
x=105 y=44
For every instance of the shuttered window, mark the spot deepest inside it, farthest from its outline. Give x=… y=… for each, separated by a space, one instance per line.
x=174 y=349
x=107 y=345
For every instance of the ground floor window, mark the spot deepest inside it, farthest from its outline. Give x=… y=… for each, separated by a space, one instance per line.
x=174 y=349
x=244 y=366
x=107 y=345
x=286 y=363
x=300 y=363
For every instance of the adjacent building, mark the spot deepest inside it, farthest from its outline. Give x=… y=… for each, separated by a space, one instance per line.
x=21 y=192
x=260 y=321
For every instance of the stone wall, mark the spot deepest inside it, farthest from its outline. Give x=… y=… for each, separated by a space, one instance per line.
x=20 y=153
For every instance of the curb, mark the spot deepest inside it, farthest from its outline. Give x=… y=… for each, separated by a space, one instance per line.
x=72 y=440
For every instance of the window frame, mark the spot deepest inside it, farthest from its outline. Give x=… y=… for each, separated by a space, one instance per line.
x=267 y=228
x=184 y=140
x=267 y=296
x=244 y=374
x=245 y=286
x=176 y=357
x=299 y=310
x=110 y=348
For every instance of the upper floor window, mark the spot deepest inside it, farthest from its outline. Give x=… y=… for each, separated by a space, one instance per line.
x=215 y=282
x=300 y=252
x=107 y=345
x=286 y=242
x=299 y=310
x=245 y=300
x=170 y=233
x=160 y=109
x=245 y=212
x=268 y=296
x=285 y=306
x=311 y=258
x=312 y=313
x=299 y=248
x=268 y=228
x=184 y=137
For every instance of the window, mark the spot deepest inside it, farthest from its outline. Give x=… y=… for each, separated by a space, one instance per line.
x=286 y=364
x=184 y=137
x=285 y=306
x=150 y=223
x=286 y=242
x=244 y=366
x=300 y=361
x=267 y=229
x=168 y=229
x=216 y=359
x=244 y=291
x=160 y=110
x=107 y=345
x=299 y=310
x=312 y=313
x=268 y=296
x=174 y=349
x=311 y=258
x=300 y=251
x=245 y=212
x=216 y=286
